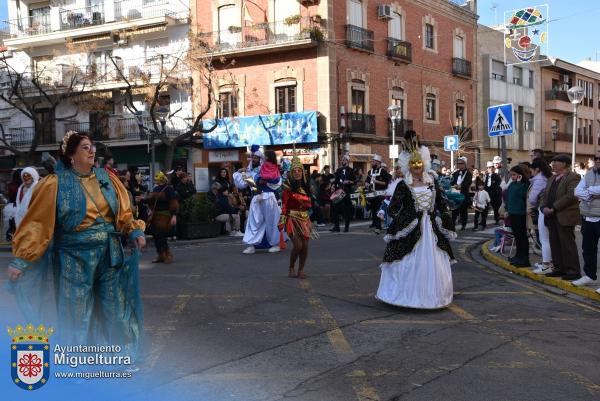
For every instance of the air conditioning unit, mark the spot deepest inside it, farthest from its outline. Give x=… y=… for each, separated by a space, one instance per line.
x=384 y=11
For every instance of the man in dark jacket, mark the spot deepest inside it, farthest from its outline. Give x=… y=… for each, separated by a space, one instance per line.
x=461 y=180
x=377 y=180
x=492 y=181
x=185 y=188
x=345 y=179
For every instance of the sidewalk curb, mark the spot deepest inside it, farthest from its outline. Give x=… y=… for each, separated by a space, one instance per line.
x=586 y=292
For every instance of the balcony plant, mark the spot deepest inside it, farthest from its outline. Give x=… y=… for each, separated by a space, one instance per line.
x=317 y=19
x=235 y=29
x=314 y=32
x=197 y=218
x=292 y=19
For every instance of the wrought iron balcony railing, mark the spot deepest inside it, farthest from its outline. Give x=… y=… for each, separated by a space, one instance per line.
x=81 y=17
x=265 y=33
x=27 y=26
x=359 y=38
x=461 y=67
x=399 y=50
x=21 y=136
x=360 y=123
x=557 y=94
x=401 y=127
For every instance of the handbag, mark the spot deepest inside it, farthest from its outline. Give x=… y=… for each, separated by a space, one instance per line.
x=337 y=196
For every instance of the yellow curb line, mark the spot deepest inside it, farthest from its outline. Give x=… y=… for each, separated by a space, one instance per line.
x=555 y=282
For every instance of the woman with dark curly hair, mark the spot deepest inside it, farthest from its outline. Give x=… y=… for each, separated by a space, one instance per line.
x=85 y=212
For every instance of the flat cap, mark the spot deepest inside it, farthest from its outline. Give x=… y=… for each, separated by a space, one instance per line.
x=562 y=158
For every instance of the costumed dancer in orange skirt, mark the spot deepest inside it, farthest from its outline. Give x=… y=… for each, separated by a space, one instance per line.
x=295 y=219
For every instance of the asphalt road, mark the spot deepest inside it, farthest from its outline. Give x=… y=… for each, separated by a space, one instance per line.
x=223 y=326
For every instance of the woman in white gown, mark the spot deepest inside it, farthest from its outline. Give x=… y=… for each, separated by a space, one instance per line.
x=416 y=272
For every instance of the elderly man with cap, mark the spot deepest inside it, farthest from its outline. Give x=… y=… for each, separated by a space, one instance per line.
x=163 y=205
x=344 y=179
x=377 y=180
x=461 y=180
x=561 y=214
x=492 y=182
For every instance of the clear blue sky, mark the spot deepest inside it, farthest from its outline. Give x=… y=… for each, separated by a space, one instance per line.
x=574 y=31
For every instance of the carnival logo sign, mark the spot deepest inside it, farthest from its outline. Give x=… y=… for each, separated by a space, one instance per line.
x=30 y=356
x=526 y=34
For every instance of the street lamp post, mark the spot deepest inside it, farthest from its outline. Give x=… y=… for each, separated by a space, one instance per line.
x=575 y=94
x=395 y=113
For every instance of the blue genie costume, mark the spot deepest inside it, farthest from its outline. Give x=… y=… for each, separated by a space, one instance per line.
x=263 y=214
x=84 y=217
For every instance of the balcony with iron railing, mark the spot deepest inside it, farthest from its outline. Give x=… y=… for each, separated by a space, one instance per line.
x=359 y=38
x=127 y=10
x=303 y=32
x=21 y=137
x=401 y=127
x=98 y=132
x=561 y=136
x=461 y=67
x=26 y=26
x=82 y=17
x=358 y=123
x=66 y=18
x=399 y=50
x=557 y=100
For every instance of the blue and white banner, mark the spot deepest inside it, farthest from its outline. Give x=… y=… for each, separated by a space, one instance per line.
x=274 y=129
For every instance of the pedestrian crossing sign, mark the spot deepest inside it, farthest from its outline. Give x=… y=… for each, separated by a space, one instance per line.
x=500 y=120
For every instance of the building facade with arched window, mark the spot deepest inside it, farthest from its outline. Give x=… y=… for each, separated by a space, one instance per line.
x=347 y=62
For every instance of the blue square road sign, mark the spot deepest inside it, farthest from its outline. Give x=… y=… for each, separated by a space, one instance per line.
x=500 y=120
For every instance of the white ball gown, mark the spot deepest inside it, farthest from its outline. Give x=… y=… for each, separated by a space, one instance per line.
x=421 y=278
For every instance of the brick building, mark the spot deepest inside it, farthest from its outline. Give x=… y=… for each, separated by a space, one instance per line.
x=348 y=61
x=557 y=118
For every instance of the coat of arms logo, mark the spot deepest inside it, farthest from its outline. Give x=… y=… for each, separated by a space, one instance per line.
x=30 y=355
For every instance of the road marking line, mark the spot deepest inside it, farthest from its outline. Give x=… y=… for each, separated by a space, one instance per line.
x=276 y=323
x=362 y=388
x=494 y=293
x=460 y=312
x=159 y=342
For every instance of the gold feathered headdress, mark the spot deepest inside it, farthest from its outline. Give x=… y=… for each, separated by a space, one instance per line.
x=413 y=155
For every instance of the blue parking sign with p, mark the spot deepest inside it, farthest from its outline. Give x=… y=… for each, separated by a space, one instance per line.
x=451 y=143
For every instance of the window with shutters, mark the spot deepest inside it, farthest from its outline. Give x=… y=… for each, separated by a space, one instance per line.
x=228 y=104
x=498 y=70
x=285 y=99
x=459 y=47
x=396 y=26
x=355 y=13
x=358 y=101
x=517 y=75
x=430 y=107
x=429 y=36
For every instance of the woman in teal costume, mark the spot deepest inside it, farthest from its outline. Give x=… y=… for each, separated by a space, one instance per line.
x=84 y=211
